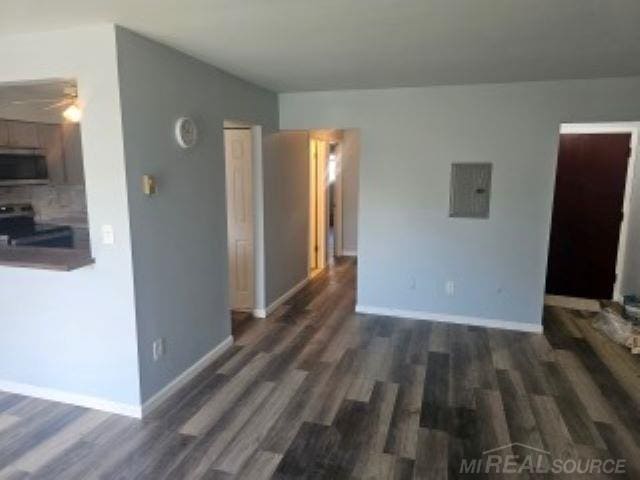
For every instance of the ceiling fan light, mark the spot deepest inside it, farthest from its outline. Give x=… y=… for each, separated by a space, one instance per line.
x=72 y=113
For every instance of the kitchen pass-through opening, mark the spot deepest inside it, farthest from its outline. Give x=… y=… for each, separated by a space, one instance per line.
x=43 y=202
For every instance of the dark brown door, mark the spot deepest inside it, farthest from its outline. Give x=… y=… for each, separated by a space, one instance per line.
x=587 y=211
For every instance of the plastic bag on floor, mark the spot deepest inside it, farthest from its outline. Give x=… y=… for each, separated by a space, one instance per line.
x=614 y=326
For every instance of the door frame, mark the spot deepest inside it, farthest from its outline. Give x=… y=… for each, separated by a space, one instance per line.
x=337 y=197
x=312 y=257
x=632 y=128
x=257 y=181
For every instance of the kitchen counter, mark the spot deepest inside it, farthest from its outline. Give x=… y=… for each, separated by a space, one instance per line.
x=60 y=259
x=69 y=220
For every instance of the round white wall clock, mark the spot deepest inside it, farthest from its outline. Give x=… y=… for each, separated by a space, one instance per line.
x=186 y=132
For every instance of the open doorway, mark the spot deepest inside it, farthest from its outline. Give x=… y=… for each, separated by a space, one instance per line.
x=43 y=203
x=334 y=156
x=589 y=228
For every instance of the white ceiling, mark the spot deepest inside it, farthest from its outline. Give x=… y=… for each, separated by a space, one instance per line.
x=294 y=45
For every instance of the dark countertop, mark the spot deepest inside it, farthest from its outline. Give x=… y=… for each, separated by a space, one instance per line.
x=60 y=259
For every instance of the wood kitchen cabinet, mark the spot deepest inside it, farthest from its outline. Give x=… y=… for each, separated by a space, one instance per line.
x=23 y=134
x=4 y=133
x=72 y=146
x=50 y=140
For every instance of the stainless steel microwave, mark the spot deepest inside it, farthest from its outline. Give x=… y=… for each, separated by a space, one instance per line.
x=23 y=166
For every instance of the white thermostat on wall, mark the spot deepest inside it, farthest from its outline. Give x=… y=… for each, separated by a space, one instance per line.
x=186 y=132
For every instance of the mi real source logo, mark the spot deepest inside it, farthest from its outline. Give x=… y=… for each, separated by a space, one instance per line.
x=532 y=460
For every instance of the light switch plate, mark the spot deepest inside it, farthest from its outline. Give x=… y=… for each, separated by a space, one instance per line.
x=108 y=238
x=149 y=185
x=449 y=287
x=158 y=349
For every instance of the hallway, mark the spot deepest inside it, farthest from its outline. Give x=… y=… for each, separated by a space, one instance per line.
x=317 y=391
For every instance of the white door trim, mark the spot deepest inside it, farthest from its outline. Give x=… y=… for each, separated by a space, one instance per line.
x=337 y=213
x=312 y=257
x=259 y=270
x=616 y=127
x=240 y=218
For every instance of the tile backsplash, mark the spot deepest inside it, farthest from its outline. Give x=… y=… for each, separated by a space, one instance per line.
x=50 y=202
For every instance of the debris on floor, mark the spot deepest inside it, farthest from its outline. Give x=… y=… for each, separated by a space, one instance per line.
x=623 y=331
x=632 y=306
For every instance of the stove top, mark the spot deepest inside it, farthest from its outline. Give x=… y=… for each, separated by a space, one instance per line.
x=18 y=228
x=12 y=210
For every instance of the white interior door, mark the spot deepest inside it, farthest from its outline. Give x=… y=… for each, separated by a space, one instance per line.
x=237 y=145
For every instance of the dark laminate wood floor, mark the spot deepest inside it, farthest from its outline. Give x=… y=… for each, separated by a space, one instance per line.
x=316 y=391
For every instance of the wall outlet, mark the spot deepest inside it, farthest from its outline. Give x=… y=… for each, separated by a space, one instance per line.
x=158 y=349
x=450 y=287
x=108 y=237
x=412 y=283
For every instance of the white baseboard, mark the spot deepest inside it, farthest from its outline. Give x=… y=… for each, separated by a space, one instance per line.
x=96 y=403
x=186 y=376
x=264 y=313
x=314 y=273
x=441 y=317
x=72 y=398
x=349 y=253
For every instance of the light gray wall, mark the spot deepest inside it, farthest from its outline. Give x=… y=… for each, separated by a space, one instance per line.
x=74 y=332
x=179 y=235
x=286 y=218
x=350 y=161
x=410 y=137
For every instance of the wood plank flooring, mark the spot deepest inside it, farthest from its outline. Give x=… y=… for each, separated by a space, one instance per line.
x=317 y=391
